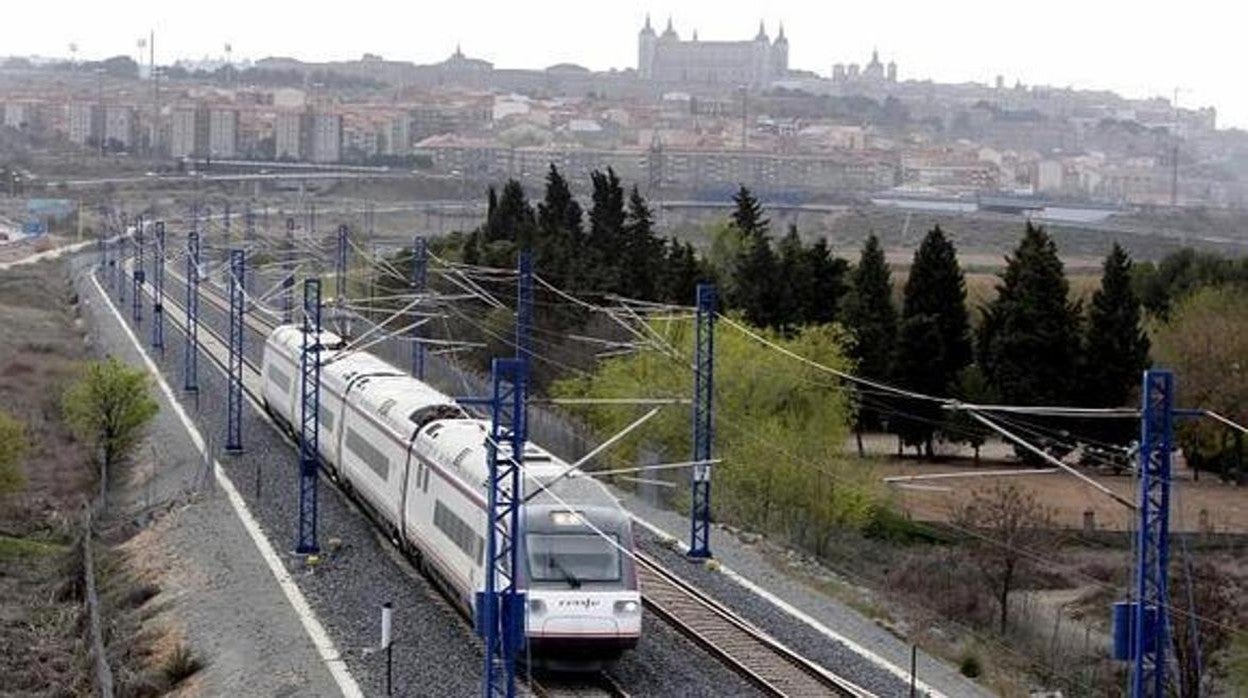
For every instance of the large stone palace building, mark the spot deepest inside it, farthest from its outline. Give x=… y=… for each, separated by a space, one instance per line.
x=667 y=58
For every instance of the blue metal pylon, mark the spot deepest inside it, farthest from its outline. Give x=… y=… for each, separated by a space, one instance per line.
x=139 y=272
x=158 y=288
x=1151 y=636
x=190 y=358
x=500 y=608
x=288 y=269
x=249 y=239
x=309 y=416
x=340 y=265
x=420 y=279
x=122 y=281
x=703 y=422
x=524 y=307
x=234 y=392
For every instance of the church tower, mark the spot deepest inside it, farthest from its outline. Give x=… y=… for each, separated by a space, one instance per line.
x=760 y=70
x=780 y=56
x=645 y=51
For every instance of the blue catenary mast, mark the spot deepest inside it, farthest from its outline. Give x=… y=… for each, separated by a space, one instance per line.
x=309 y=416
x=420 y=278
x=340 y=265
x=524 y=307
x=288 y=271
x=249 y=239
x=1148 y=675
x=234 y=397
x=158 y=288
x=703 y=422
x=139 y=272
x=190 y=361
x=501 y=606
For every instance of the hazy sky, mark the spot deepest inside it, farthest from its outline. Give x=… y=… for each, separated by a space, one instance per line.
x=1139 y=48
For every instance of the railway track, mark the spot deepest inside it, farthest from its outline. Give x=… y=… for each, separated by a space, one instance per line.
x=722 y=632
x=734 y=641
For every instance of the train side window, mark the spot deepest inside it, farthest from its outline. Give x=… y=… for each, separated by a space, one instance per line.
x=425 y=484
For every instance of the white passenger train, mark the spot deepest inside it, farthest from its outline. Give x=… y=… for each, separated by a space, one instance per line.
x=410 y=454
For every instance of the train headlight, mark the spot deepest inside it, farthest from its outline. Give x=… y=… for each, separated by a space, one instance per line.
x=536 y=606
x=565 y=518
x=627 y=607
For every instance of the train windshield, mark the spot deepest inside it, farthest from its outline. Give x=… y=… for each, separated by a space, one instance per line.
x=572 y=558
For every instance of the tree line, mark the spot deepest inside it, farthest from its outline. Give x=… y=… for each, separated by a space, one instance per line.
x=1033 y=344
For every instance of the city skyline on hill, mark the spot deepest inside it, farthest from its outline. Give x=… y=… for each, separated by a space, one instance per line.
x=1134 y=51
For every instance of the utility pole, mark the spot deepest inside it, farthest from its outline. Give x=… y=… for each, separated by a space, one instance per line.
x=340 y=265
x=309 y=416
x=703 y=422
x=234 y=398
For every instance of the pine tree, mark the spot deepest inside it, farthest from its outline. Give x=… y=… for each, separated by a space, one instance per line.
x=757 y=286
x=748 y=215
x=1029 y=338
x=872 y=318
x=642 y=256
x=936 y=287
x=794 y=277
x=870 y=313
x=826 y=290
x=1115 y=350
x=681 y=274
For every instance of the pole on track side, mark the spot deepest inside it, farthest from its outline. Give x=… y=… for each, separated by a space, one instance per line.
x=190 y=362
x=703 y=422
x=420 y=279
x=309 y=416
x=158 y=288
x=501 y=606
x=234 y=393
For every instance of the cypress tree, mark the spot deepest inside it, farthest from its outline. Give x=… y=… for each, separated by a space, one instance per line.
x=1115 y=350
x=871 y=316
x=560 y=234
x=681 y=274
x=757 y=286
x=606 y=223
x=513 y=218
x=1029 y=339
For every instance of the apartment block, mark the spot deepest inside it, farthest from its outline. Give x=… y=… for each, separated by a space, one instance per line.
x=188 y=132
x=223 y=133
x=85 y=124
x=121 y=127
x=326 y=138
x=289 y=133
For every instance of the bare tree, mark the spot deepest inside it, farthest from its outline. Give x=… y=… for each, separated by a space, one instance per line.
x=1205 y=609
x=1008 y=528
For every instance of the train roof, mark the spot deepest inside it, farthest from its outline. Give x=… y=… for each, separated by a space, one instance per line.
x=462 y=444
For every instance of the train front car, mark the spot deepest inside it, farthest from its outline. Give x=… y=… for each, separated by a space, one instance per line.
x=580 y=578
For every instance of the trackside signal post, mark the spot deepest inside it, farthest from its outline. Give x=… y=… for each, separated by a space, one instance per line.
x=500 y=608
x=703 y=422
x=309 y=415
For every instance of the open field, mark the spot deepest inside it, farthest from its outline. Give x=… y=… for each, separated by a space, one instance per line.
x=1225 y=506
